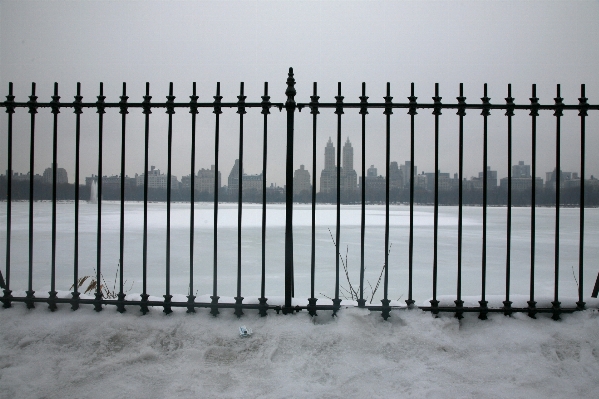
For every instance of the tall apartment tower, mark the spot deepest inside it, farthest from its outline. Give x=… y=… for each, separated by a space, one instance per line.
x=233 y=180
x=348 y=156
x=328 y=176
x=156 y=179
x=301 y=181
x=491 y=178
x=395 y=179
x=372 y=172
x=404 y=172
x=349 y=177
x=520 y=170
x=61 y=175
x=248 y=182
x=205 y=180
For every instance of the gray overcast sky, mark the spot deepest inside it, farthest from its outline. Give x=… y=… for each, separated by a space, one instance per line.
x=326 y=42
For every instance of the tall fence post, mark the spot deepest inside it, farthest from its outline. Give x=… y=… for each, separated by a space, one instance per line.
x=265 y=111
x=32 y=105
x=55 y=111
x=290 y=107
x=5 y=285
x=534 y=112
x=78 y=110
x=582 y=101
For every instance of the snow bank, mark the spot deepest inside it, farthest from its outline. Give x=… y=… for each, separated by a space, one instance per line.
x=355 y=355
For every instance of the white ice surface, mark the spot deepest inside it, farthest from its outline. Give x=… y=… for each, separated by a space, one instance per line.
x=325 y=251
x=85 y=354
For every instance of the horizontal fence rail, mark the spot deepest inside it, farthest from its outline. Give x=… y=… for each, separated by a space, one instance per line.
x=78 y=106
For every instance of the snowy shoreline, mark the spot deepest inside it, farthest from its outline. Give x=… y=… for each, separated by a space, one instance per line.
x=357 y=354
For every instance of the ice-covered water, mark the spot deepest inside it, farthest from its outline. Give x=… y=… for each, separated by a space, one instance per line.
x=325 y=250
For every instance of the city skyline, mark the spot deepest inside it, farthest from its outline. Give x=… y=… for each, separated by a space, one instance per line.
x=540 y=172
x=374 y=150
x=350 y=180
x=470 y=42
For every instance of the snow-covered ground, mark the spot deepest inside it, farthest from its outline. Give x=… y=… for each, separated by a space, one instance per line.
x=85 y=354
x=355 y=355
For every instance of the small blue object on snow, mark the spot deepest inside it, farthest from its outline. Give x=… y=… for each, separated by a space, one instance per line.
x=244 y=332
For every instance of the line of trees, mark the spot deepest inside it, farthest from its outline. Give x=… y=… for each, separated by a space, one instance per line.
x=42 y=191
x=496 y=196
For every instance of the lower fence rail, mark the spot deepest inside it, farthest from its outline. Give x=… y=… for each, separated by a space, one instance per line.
x=297 y=308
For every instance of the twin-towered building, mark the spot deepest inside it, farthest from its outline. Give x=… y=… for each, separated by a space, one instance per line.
x=328 y=176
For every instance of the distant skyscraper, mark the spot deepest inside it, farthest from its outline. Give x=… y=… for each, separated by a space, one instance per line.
x=156 y=179
x=301 y=181
x=233 y=180
x=349 y=177
x=491 y=177
x=404 y=173
x=395 y=180
x=328 y=176
x=520 y=170
x=205 y=180
x=329 y=155
x=566 y=179
x=248 y=182
x=348 y=156
x=371 y=172
x=252 y=182
x=521 y=178
x=61 y=176
x=444 y=183
x=374 y=183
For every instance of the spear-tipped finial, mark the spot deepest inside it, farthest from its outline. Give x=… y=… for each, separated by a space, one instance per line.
x=147 y=108
x=509 y=101
x=265 y=100
x=388 y=98
x=241 y=100
x=123 y=102
x=534 y=102
x=583 y=102
x=217 y=100
x=437 y=100
x=339 y=100
x=290 y=92
x=54 y=104
x=170 y=108
x=559 y=102
x=363 y=100
x=412 y=99
x=32 y=103
x=486 y=109
x=10 y=108
x=314 y=100
x=461 y=101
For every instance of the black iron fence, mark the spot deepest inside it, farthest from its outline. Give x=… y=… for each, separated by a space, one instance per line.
x=291 y=106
